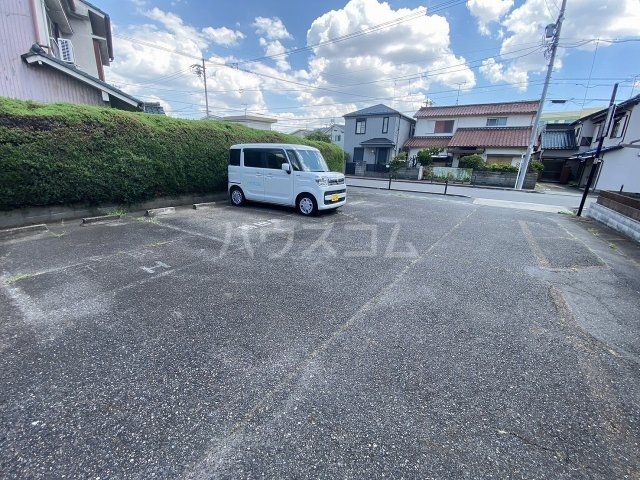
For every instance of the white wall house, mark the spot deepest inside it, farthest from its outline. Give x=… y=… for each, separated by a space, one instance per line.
x=499 y=132
x=252 y=121
x=374 y=135
x=56 y=51
x=620 y=167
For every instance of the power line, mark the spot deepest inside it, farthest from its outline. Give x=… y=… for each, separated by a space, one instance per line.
x=359 y=33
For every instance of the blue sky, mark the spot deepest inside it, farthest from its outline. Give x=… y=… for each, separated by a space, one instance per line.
x=488 y=49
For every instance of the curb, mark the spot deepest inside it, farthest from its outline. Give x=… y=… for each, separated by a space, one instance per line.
x=462 y=185
x=101 y=218
x=19 y=231
x=198 y=206
x=412 y=191
x=160 y=211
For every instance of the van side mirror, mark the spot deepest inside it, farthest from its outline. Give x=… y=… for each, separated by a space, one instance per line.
x=286 y=167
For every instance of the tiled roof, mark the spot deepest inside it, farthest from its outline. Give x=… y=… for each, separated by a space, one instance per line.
x=427 y=142
x=528 y=107
x=379 y=109
x=559 y=139
x=491 y=137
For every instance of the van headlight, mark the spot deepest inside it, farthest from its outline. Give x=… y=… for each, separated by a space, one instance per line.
x=322 y=181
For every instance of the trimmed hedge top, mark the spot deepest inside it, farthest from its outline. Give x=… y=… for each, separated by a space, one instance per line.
x=63 y=154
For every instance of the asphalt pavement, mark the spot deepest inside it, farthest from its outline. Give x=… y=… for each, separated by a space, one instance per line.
x=561 y=199
x=404 y=336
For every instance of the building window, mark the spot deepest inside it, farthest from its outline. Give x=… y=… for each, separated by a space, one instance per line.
x=618 y=127
x=385 y=124
x=497 y=122
x=361 y=126
x=443 y=126
x=337 y=138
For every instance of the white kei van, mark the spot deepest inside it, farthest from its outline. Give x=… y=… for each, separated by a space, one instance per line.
x=294 y=175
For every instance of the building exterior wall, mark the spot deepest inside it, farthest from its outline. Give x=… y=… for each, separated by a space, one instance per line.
x=426 y=126
x=620 y=168
x=398 y=132
x=82 y=40
x=40 y=83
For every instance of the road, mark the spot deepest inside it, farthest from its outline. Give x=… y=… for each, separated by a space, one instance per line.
x=404 y=336
x=559 y=199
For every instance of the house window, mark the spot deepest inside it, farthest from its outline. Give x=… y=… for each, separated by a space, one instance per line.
x=337 y=138
x=618 y=127
x=385 y=124
x=497 y=122
x=443 y=126
x=361 y=126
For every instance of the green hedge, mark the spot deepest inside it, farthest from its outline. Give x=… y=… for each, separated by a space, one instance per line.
x=64 y=154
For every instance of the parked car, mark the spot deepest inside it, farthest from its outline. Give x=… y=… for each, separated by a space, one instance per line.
x=284 y=174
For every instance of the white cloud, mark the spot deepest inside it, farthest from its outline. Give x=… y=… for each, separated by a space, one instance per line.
x=496 y=72
x=276 y=48
x=151 y=73
x=272 y=28
x=487 y=11
x=396 y=65
x=404 y=52
x=585 y=19
x=223 y=35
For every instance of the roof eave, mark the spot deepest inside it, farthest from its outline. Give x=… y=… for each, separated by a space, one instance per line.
x=32 y=57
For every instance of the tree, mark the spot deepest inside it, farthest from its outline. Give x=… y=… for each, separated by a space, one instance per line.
x=319 y=136
x=425 y=157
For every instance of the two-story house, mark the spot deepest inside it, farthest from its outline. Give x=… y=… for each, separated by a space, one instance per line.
x=374 y=135
x=620 y=166
x=56 y=51
x=500 y=132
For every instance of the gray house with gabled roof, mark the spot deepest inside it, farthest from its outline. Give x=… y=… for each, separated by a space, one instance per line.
x=374 y=135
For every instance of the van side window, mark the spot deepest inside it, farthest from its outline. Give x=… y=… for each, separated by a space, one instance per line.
x=234 y=157
x=295 y=162
x=275 y=159
x=253 y=157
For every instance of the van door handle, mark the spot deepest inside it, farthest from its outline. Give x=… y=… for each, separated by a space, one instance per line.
x=258 y=174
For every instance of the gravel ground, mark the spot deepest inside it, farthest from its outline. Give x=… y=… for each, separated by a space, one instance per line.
x=405 y=336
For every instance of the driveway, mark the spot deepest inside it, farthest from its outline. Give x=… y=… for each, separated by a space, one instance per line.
x=405 y=336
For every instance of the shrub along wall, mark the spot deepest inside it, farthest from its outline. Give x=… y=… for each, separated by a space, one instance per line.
x=64 y=154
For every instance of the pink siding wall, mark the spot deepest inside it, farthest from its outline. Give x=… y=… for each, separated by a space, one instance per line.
x=33 y=82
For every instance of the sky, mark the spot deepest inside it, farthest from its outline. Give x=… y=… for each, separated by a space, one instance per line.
x=309 y=63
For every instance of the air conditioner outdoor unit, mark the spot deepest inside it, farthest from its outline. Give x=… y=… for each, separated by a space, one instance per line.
x=66 y=50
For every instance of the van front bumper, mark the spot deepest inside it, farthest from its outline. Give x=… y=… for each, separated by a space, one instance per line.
x=333 y=198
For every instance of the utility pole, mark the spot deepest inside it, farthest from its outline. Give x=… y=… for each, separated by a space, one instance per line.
x=201 y=71
x=604 y=132
x=557 y=27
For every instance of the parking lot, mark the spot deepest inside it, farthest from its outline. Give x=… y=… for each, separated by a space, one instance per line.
x=406 y=336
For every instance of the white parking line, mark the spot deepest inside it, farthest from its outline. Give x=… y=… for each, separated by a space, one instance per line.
x=536 y=207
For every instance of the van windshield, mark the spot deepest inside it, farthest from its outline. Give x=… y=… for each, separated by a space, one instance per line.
x=311 y=161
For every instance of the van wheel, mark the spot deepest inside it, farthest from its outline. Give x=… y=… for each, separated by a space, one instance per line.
x=307 y=205
x=236 y=196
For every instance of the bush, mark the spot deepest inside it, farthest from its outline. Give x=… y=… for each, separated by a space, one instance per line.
x=398 y=162
x=425 y=157
x=536 y=166
x=318 y=137
x=502 y=167
x=474 y=161
x=63 y=154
